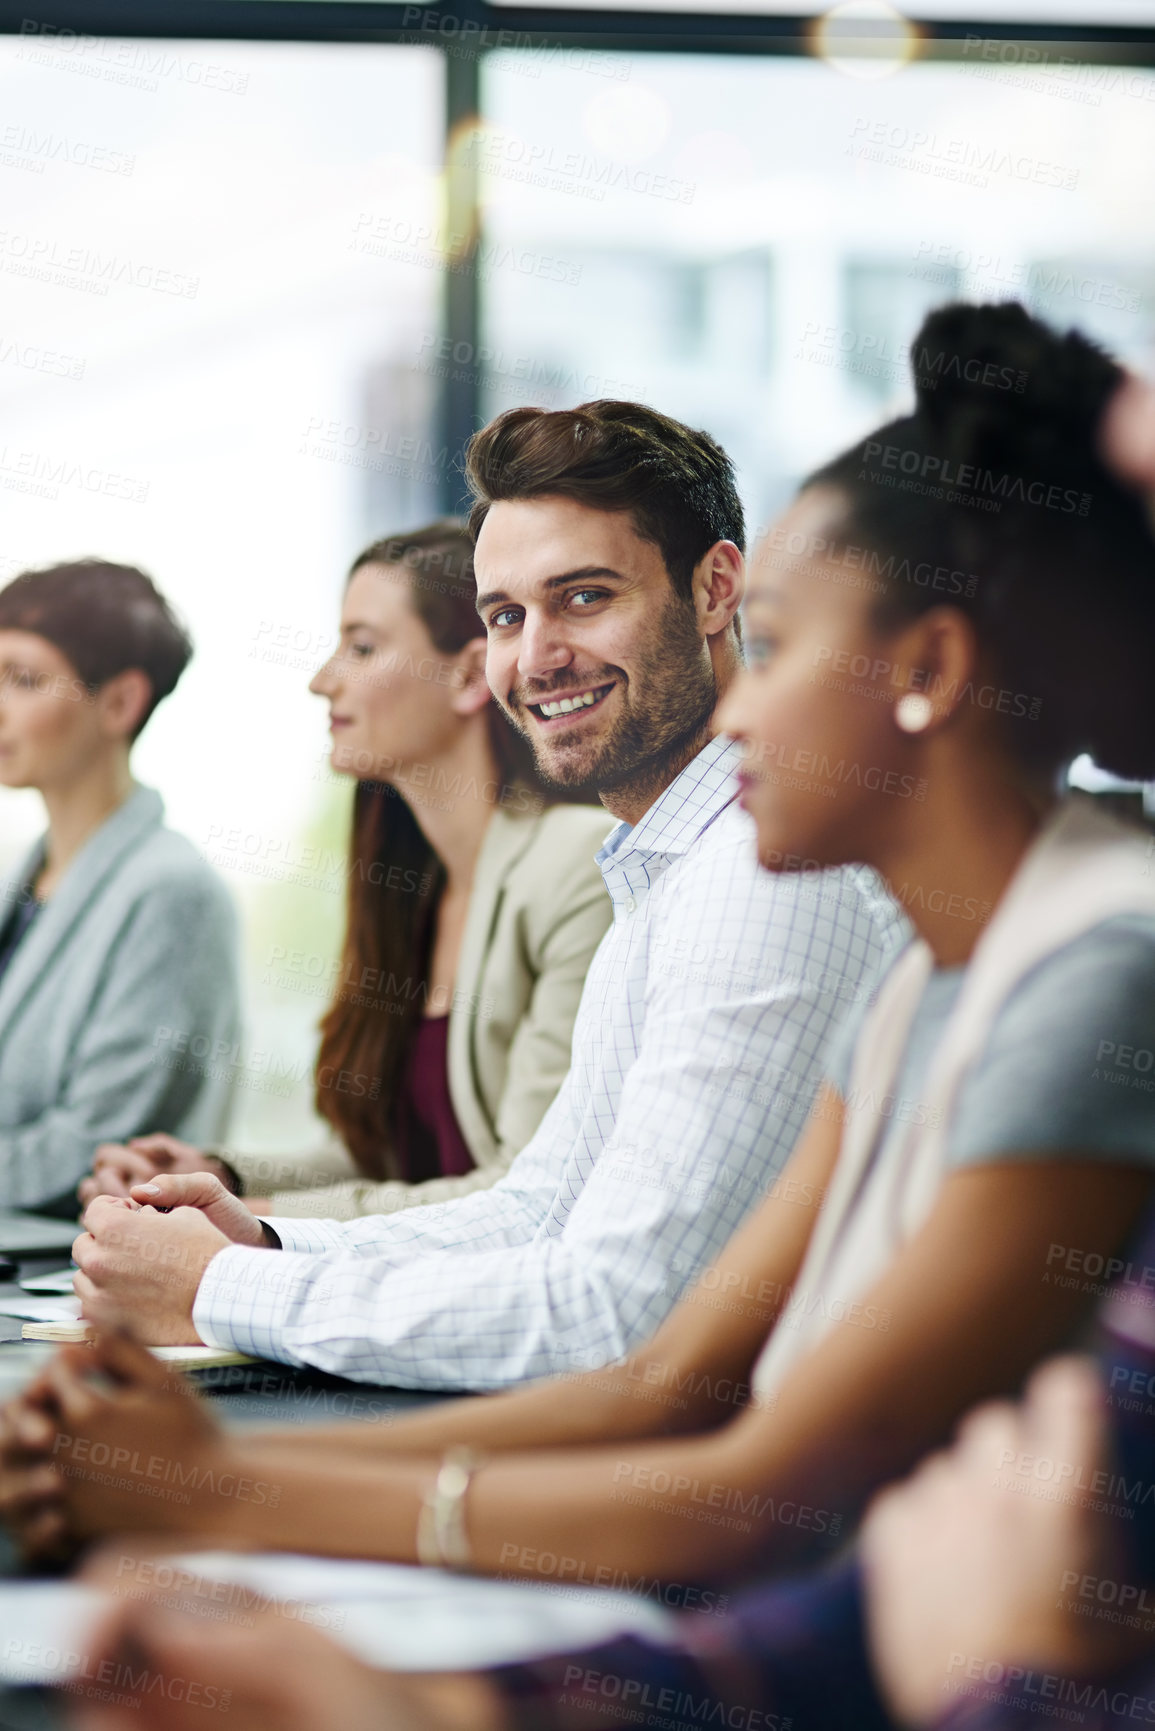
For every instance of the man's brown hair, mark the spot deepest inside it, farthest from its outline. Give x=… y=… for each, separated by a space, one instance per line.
x=676 y=484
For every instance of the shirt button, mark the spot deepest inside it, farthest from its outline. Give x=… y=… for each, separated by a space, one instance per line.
x=630 y=904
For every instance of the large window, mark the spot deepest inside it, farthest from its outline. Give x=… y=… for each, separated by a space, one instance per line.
x=217 y=267
x=751 y=243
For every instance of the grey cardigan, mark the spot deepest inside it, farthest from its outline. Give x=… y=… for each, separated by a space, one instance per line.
x=119 y=1007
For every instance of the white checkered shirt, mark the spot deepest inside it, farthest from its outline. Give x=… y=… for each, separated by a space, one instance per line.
x=697 y=1051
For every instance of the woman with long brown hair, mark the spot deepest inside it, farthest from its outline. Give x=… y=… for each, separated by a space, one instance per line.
x=474 y=907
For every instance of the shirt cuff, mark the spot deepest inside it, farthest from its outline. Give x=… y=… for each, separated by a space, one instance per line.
x=310 y=1237
x=247 y=1297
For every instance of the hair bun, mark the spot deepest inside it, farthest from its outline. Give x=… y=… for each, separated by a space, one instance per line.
x=995 y=385
x=1057 y=548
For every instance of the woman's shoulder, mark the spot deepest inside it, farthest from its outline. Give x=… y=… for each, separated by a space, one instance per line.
x=573 y=823
x=1111 y=957
x=557 y=859
x=1095 y=984
x=1069 y=1062
x=559 y=832
x=166 y=866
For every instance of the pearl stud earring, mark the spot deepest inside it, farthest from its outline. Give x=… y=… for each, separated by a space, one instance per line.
x=914 y=712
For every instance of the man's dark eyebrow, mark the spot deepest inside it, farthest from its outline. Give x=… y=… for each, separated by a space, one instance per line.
x=583 y=573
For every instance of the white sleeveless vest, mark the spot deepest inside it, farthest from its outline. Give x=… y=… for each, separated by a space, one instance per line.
x=1083 y=867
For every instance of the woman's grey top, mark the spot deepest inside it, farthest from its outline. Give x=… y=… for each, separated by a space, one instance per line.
x=1069 y=1068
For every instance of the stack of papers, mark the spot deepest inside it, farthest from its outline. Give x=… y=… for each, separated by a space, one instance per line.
x=186 y=1357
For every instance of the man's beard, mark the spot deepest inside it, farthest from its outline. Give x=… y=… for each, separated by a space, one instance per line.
x=675 y=694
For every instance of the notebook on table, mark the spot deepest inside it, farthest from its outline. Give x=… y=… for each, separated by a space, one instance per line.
x=185 y=1357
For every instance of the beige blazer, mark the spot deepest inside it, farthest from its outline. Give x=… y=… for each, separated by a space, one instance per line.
x=536 y=916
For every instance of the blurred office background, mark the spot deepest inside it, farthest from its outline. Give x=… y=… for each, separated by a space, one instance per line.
x=251 y=288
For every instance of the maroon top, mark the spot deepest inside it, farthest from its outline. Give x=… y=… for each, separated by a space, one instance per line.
x=427 y=1136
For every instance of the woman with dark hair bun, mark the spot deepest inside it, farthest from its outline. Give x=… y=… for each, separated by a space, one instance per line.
x=474 y=907
x=995 y=498
x=943 y=618
x=117 y=942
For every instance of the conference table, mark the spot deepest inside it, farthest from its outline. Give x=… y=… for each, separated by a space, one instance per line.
x=256 y=1395
x=244 y=1397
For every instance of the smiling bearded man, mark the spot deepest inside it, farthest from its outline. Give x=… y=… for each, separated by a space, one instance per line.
x=610 y=571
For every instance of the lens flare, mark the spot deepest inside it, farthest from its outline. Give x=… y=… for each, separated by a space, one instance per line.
x=865 y=39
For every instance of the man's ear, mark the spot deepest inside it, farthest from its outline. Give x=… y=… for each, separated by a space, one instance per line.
x=719 y=585
x=123 y=702
x=471 y=693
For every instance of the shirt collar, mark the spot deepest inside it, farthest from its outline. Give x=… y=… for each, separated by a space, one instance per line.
x=684 y=810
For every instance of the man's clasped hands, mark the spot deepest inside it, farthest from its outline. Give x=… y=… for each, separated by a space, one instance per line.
x=141 y=1256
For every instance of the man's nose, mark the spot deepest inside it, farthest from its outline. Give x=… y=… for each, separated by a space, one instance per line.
x=542 y=648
